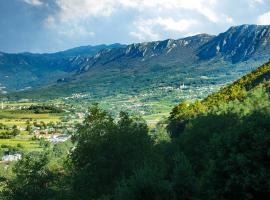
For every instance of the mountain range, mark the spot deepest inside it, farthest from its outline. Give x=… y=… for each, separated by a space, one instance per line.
x=109 y=69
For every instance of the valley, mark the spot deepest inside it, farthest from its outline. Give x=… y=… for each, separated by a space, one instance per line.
x=145 y=79
x=172 y=97
x=134 y=100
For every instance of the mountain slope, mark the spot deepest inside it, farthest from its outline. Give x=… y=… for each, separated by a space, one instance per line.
x=239 y=43
x=165 y=52
x=238 y=90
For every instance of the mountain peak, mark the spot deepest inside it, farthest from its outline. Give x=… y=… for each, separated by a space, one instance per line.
x=200 y=35
x=248 y=26
x=238 y=43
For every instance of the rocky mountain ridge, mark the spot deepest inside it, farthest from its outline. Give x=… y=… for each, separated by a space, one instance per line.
x=172 y=59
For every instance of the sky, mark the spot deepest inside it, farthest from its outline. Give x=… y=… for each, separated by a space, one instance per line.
x=52 y=25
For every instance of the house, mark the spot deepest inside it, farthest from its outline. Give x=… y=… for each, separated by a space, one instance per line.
x=46 y=135
x=21 y=128
x=13 y=157
x=80 y=115
x=59 y=138
x=37 y=132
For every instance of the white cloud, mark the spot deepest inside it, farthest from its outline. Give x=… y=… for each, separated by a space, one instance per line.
x=149 y=15
x=145 y=34
x=69 y=30
x=147 y=19
x=34 y=2
x=75 y=32
x=170 y=24
x=70 y=20
x=264 y=19
x=253 y=3
x=145 y=29
x=229 y=20
x=83 y=9
x=204 y=7
x=49 y=21
x=78 y=22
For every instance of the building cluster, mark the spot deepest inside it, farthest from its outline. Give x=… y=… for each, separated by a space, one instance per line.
x=11 y=157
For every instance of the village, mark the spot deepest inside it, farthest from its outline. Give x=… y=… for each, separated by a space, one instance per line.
x=52 y=133
x=25 y=128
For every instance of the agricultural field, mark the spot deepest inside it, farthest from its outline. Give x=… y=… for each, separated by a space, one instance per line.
x=20 y=121
x=12 y=118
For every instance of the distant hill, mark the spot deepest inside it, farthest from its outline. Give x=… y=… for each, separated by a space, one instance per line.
x=109 y=70
x=27 y=70
x=86 y=50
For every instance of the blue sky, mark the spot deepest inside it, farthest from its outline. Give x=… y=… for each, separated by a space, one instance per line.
x=53 y=25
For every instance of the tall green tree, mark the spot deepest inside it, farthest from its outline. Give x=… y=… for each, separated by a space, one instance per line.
x=106 y=151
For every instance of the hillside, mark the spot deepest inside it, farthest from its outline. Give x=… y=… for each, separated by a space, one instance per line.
x=238 y=90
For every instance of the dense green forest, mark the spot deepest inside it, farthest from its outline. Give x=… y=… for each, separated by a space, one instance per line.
x=217 y=148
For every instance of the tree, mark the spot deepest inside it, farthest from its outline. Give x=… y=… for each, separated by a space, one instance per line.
x=28 y=128
x=15 y=132
x=184 y=182
x=32 y=179
x=146 y=183
x=106 y=151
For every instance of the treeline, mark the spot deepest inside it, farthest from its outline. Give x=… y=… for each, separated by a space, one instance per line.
x=40 y=109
